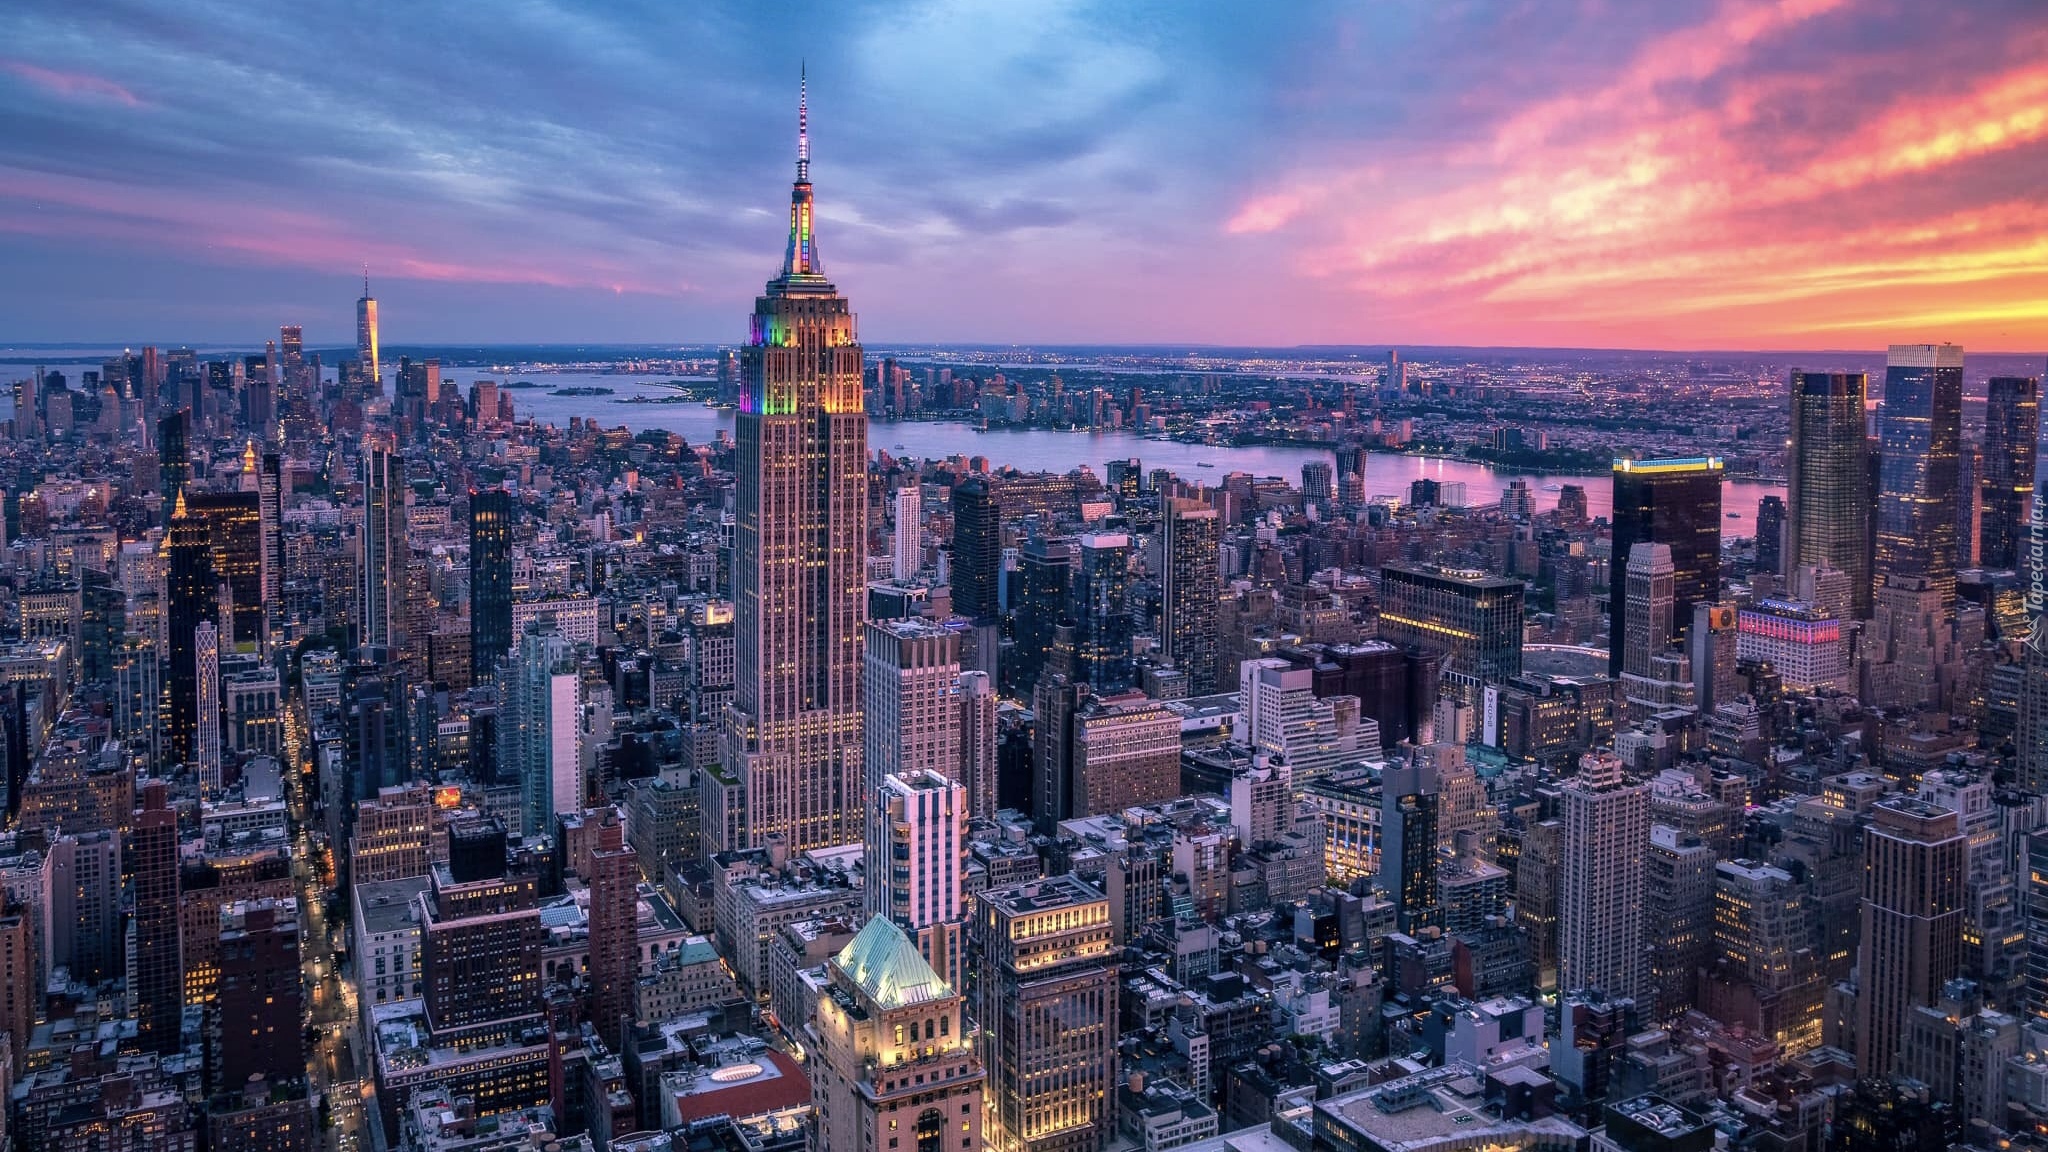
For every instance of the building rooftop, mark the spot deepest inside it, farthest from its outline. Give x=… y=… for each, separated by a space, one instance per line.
x=386 y=905
x=883 y=963
x=1041 y=895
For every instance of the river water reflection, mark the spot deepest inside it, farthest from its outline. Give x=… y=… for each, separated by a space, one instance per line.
x=1035 y=450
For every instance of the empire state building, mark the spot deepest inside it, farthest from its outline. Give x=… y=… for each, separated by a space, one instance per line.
x=793 y=735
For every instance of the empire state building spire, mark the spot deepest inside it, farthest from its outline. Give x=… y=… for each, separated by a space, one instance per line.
x=801 y=260
x=793 y=735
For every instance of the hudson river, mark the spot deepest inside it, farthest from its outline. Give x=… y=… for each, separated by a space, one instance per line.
x=1036 y=450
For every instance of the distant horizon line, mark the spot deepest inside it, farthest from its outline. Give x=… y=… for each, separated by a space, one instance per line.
x=1001 y=345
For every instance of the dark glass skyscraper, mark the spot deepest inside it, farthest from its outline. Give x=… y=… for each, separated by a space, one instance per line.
x=977 y=550
x=1671 y=502
x=1770 y=535
x=793 y=735
x=1045 y=572
x=1102 y=610
x=2012 y=428
x=159 y=984
x=234 y=536
x=174 y=459
x=490 y=582
x=385 y=553
x=1919 y=436
x=190 y=589
x=1828 y=491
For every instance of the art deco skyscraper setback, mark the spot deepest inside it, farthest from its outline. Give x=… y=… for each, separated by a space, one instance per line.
x=1828 y=521
x=1674 y=502
x=793 y=734
x=1920 y=436
x=2012 y=425
x=366 y=335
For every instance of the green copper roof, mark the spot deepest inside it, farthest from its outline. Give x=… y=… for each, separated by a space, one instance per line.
x=884 y=963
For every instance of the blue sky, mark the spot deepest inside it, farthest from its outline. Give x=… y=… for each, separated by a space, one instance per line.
x=1736 y=173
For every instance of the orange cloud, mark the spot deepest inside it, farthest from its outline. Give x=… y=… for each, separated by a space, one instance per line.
x=1691 y=199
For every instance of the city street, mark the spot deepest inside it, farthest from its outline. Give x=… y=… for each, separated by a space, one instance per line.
x=333 y=1059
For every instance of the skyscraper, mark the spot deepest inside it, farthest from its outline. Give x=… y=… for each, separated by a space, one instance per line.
x=1912 y=934
x=793 y=734
x=366 y=336
x=490 y=582
x=1600 y=891
x=1409 y=798
x=1651 y=595
x=890 y=1041
x=1191 y=584
x=1316 y=479
x=191 y=589
x=158 y=985
x=1828 y=494
x=258 y=1010
x=1047 y=1006
x=2012 y=428
x=234 y=537
x=1100 y=609
x=174 y=459
x=1671 y=502
x=978 y=734
x=540 y=727
x=1919 y=438
x=206 y=708
x=1045 y=573
x=977 y=550
x=614 y=929
x=269 y=521
x=1770 y=535
x=1473 y=619
x=916 y=858
x=909 y=540
x=910 y=677
x=385 y=553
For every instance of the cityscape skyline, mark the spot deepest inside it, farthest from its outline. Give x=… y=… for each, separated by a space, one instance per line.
x=1610 y=183
x=836 y=746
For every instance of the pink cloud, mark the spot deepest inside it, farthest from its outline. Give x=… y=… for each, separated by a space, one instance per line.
x=1645 y=205
x=259 y=232
x=71 y=85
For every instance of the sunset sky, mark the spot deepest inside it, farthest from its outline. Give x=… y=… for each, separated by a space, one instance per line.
x=1760 y=174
